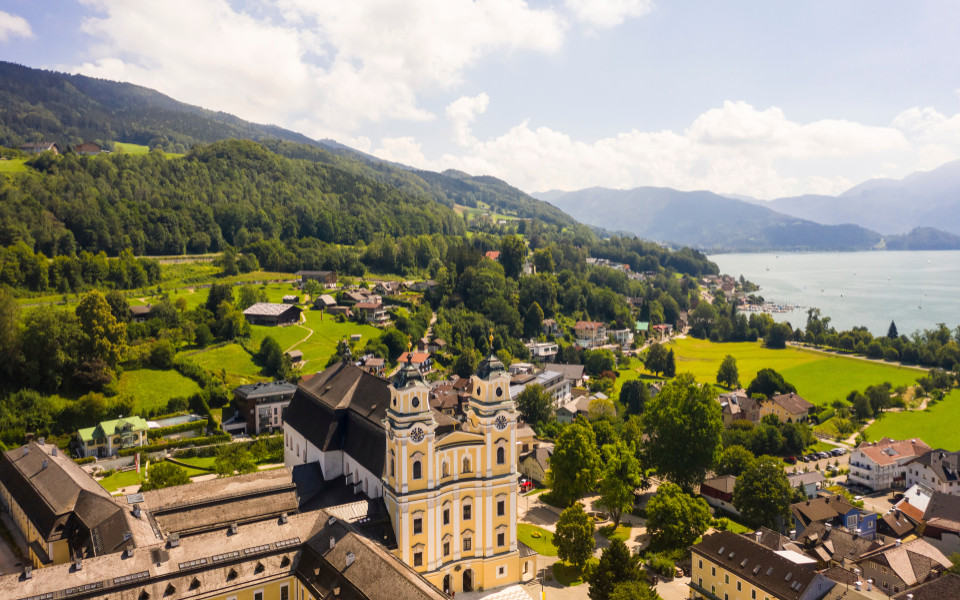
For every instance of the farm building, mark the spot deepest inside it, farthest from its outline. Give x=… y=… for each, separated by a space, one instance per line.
x=269 y=313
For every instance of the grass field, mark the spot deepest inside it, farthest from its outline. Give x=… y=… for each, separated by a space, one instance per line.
x=819 y=377
x=568 y=575
x=13 y=165
x=119 y=480
x=138 y=149
x=205 y=465
x=622 y=533
x=937 y=425
x=542 y=544
x=152 y=388
x=232 y=360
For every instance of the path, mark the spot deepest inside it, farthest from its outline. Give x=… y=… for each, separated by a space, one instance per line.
x=877 y=361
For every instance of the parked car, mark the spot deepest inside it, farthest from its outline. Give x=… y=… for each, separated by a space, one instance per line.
x=790 y=460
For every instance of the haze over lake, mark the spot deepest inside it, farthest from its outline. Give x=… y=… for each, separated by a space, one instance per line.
x=917 y=290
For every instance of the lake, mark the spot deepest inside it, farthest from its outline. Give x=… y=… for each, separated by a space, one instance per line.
x=917 y=290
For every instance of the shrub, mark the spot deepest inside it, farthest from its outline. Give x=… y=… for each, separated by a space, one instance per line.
x=662 y=565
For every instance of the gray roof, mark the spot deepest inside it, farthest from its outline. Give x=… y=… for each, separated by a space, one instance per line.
x=798 y=479
x=573 y=372
x=945 y=465
x=761 y=566
x=266 y=389
x=269 y=309
x=541 y=456
x=61 y=500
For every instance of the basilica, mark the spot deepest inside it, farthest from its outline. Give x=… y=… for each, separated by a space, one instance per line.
x=446 y=488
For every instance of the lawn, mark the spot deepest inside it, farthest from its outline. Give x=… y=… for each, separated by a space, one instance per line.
x=542 y=544
x=622 y=532
x=738 y=528
x=567 y=574
x=232 y=360
x=13 y=165
x=204 y=466
x=937 y=425
x=326 y=334
x=819 y=377
x=118 y=480
x=139 y=149
x=152 y=388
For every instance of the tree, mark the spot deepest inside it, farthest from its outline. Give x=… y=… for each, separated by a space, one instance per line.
x=164 y=474
x=634 y=395
x=574 y=536
x=892 y=331
x=229 y=261
x=396 y=341
x=777 y=336
x=769 y=383
x=103 y=337
x=535 y=404
x=119 y=307
x=601 y=409
x=702 y=320
x=270 y=356
x=9 y=335
x=676 y=519
x=533 y=321
x=161 y=355
x=763 y=493
x=685 y=429
x=734 y=460
x=656 y=359
x=249 y=295
x=596 y=362
x=621 y=476
x=617 y=565
x=670 y=367
x=513 y=251
x=728 y=375
x=543 y=260
x=233 y=458
x=218 y=294
x=634 y=590
x=861 y=407
x=955 y=562
x=466 y=364
x=575 y=463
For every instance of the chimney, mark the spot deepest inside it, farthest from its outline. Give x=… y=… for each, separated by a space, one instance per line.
x=41 y=441
x=78 y=564
x=758 y=534
x=857 y=585
x=869 y=585
x=283 y=518
x=54 y=451
x=233 y=529
x=793 y=534
x=128 y=553
x=909 y=596
x=26 y=450
x=333 y=542
x=136 y=510
x=898 y=543
x=28 y=573
x=174 y=540
x=350 y=558
x=829 y=527
x=43 y=465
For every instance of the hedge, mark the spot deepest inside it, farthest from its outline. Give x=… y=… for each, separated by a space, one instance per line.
x=197 y=441
x=83 y=461
x=189 y=426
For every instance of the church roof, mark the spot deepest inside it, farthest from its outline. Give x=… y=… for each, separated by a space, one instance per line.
x=490 y=367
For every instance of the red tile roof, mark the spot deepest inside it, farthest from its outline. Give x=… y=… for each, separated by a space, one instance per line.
x=888 y=452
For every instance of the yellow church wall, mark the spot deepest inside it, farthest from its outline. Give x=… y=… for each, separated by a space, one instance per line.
x=268 y=590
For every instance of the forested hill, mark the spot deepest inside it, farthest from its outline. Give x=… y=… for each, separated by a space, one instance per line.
x=230 y=192
x=68 y=109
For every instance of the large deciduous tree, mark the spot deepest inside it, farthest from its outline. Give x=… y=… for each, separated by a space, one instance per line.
x=769 y=383
x=513 y=251
x=534 y=404
x=685 y=430
x=621 y=476
x=575 y=463
x=634 y=395
x=103 y=337
x=728 y=375
x=734 y=460
x=656 y=359
x=763 y=493
x=676 y=519
x=165 y=474
x=574 y=536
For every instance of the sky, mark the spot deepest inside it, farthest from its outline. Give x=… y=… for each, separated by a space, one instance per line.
x=759 y=99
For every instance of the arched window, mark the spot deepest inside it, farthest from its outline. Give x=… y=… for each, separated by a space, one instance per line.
x=393 y=467
x=501 y=455
x=417 y=470
x=445 y=469
x=466 y=464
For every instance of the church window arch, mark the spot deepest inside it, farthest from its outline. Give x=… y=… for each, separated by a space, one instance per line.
x=417 y=469
x=466 y=465
x=445 y=468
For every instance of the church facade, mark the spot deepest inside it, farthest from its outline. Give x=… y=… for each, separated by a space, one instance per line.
x=450 y=488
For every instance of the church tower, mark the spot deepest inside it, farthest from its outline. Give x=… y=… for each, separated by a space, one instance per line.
x=452 y=491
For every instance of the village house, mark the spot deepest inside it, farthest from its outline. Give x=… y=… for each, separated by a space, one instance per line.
x=38 y=147
x=622 y=337
x=141 y=313
x=590 y=334
x=421 y=360
x=268 y=313
x=109 y=437
x=572 y=373
x=422 y=286
x=904 y=565
x=727 y=565
x=808 y=482
x=553 y=383
x=492 y=255
x=789 y=408
x=324 y=301
x=937 y=470
x=567 y=413
x=387 y=288
x=542 y=351
x=941 y=588
x=535 y=464
x=326 y=278
x=371 y=312
x=935 y=514
x=374 y=365
x=718 y=492
x=834 y=511
x=291 y=299
x=262 y=404
x=88 y=149
x=550 y=327
x=736 y=406
x=881 y=465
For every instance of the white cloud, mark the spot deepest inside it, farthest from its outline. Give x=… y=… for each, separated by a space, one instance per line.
x=462 y=112
x=331 y=65
x=12 y=26
x=734 y=149
x=608 y=13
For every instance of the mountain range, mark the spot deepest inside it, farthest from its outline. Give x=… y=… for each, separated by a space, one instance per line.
x=921 y=211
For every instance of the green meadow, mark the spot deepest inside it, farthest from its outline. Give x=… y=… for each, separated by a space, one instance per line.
x=13 y=165
x=818 y=376
x=936 y=425
x=152 y=388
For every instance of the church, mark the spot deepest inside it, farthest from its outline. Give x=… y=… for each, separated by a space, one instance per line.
x=448 y=487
